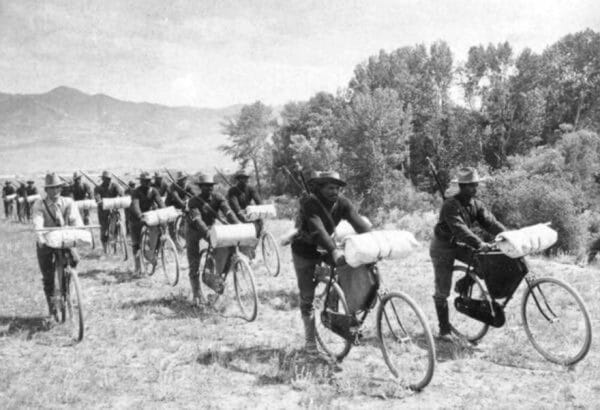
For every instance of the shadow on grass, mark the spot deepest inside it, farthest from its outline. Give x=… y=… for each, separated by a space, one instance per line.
x=166 y=308
x=274 y=365
x=279 y=299
x=29 y=324
x=454 y=350
x=119 y=275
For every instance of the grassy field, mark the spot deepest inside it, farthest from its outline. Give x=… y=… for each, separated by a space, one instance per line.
x=146 y=347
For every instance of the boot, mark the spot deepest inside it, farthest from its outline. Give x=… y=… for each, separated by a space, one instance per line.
x=138 y=265
x=310 y=334
x=195 y=286
x=51 y=307
x=441 y=308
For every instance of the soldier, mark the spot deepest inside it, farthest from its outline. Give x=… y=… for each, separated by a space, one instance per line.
x=31 y=189
x=106 y=189
x=7 y=190
x=81 y=191
x=128 y=191
x=160 y=184
x=53 y=211
x=241 y=194
x=457 y=216
x=177 y=196
x=203 y=209
x=21 y=201
x=143 y=199
x=319 y=213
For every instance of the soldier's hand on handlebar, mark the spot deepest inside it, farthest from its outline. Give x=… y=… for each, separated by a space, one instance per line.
x=338 y=257
x=486 y=247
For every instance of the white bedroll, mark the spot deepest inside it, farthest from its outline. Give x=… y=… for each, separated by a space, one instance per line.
x=10 y=197
x=231 y=235
x=521 y=242
x=160 y=216
x=86 y=204
x=119 y=202
x=33 y=198
x=344 y=229
x=372 y=246
x=67 y=238
x=261 y=211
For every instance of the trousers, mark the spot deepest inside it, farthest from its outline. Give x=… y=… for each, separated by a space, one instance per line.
x=305 y=276
x=443 y=254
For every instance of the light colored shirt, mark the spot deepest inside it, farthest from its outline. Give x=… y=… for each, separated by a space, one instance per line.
x=64 y=213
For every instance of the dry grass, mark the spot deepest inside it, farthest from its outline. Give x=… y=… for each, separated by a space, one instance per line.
x=145 y=346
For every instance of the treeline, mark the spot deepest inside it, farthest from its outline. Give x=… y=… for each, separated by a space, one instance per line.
x=416 y=102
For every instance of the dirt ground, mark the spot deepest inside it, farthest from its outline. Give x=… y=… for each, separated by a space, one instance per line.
x=147 y=347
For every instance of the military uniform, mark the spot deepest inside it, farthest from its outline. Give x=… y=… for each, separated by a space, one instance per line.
x=29 y=190
x=239 y=198
x=144 y=199
x=8 y=189
x=106 y=189
x=81 y=191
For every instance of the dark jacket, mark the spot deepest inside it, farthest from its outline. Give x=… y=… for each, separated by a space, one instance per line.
x=8 y=190
x=177 y=196
x=317 y=222
x=201 y=218
x=239 y=199
x=458 y=216
x=81 y=191
x=144 y=199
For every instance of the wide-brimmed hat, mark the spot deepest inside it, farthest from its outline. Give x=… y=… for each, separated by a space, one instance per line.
x=242 y=173
x=180 y=176
x=76 y=175
x=203 y=179
x=52 y=180
x=106 y=174
x=467 y=175
x=144 y=176
x=30 y=181
x=7 y=182
x=329 y=176
x=157 y=175
x=131 y=184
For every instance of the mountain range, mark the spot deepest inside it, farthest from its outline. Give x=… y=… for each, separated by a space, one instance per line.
x=66 y=129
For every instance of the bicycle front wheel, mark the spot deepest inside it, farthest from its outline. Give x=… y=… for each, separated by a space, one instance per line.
x=335 y=345
x=122 y=240
x=464 y=326
x=180 y=232
x=556 y=321
x=169 y=261
x=245 y=291
x=74 y=304
x=406 y=340
x=270 y=253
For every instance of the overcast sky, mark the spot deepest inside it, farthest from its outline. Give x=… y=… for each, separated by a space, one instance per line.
x=213 y=53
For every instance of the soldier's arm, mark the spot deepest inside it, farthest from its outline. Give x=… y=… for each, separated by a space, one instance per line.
x=158 y=199
x=352 y=216
x=234 y=204
x=452 y=216
x=229 y=214
x=254 y=195
x=487 y=220
x=135 y=207
x=74 y=217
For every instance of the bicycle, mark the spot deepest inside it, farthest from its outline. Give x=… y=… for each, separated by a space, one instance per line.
x=243 y=278
x=117 y=237
x=268 y=247
x=179 y=231
x=67 y=298
x=404 y=334
x=489 y=282
x=165 y=249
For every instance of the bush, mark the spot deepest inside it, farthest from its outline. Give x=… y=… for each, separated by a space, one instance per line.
x=518 y=201
x=420 y=223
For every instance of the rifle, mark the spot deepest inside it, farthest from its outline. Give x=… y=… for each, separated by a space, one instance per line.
x=120 y=180
x=224 y=177
x=436 y=177
x=65 y=180
x=88 y=178
x=215 y=213
x=292 y=177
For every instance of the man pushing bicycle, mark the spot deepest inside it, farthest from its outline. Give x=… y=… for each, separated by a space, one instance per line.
x=53 y=211
x=457 y=217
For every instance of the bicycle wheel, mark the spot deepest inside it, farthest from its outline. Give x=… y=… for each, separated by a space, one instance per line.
x=169 y=260
x=74 y=305
x=270 y=253
x=463 y=325
x=122 y=240
x=406 y=340
x=147 y=267
x=245 y=291
x=180 y=233
x=556 y=321
x=335 y=345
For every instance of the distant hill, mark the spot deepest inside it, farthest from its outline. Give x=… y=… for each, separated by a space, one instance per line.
x=66 y=129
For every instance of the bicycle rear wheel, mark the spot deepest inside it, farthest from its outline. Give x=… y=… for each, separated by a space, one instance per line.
x=556 y=321
x=169 y=260
x=270 y=253
x=122 y=240
x=463 y=325
x=245 y=291
x=180 y=233
x=335 y=345
x=406 y=340
x=148 y=268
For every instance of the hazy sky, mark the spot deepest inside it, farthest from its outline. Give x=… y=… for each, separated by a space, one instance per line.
x=213 y=53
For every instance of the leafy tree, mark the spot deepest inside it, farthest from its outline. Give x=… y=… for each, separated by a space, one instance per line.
x=248 y=134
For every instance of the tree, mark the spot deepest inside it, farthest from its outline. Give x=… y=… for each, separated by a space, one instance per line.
x=248 y=134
